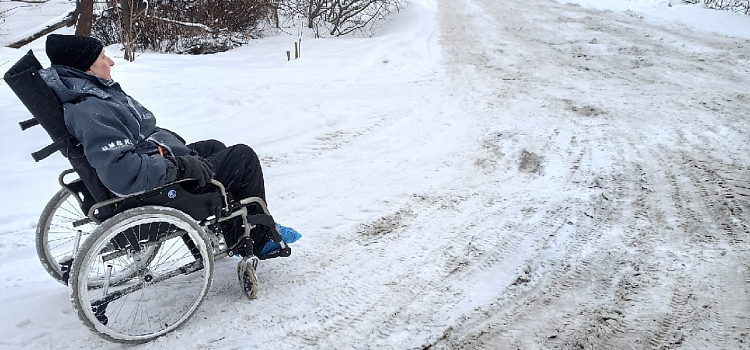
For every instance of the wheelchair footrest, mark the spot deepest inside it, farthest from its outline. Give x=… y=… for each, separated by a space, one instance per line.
x=281 y=253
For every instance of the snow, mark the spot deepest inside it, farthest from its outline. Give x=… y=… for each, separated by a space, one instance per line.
x=479 y=173
x=691 y=16
x=23 y=18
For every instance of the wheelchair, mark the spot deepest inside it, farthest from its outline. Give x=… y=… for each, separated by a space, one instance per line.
x=136 y=267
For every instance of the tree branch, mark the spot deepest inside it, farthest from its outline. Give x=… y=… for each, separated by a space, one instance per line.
x=68 y=19
x=184 y=24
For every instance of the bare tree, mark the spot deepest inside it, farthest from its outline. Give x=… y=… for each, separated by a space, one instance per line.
x=339 y=17
x=208 y=26
x=132 y=11
x=347 y=16
x=183 y=26
x=315 y=10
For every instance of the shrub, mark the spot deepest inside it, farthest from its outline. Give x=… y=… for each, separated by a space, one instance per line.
x=741 y=6
x=209 y=26
x=337 y=17
x=195 y=27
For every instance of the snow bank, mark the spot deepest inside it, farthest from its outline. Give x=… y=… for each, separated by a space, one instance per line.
x=693 y=16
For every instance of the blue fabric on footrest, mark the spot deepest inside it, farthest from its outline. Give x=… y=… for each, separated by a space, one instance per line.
x=288 y=235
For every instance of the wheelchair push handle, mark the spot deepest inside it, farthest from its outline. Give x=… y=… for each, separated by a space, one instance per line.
x=28 y=123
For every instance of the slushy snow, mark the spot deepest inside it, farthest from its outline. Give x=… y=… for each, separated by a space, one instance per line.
x=478 y=174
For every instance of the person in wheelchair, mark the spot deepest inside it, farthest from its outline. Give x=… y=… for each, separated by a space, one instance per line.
x=129 y=152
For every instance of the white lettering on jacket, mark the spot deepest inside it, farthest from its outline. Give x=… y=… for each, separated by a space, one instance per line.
x=117 y=144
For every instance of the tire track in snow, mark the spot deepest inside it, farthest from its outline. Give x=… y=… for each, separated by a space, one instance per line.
x=724 y=208
x=556 y=276
x=633 y=49
x=347 y=307
x=553 y=275
x=601 y=321
x=511 y=236
x=677 y=314
x=707 y=290
x=645 y=217
x=432 y=304
x=682 y=320
x=546 y=285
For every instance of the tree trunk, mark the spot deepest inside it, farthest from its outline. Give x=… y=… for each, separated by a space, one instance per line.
x=85 y=10
x=276 y=15
x=126 y=32
x=310 y=16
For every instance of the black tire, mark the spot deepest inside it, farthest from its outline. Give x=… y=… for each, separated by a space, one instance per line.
x=161 y=295
x=55 y=234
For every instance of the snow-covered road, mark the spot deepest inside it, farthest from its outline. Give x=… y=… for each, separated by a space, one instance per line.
x=633 y=229
x=551 y=176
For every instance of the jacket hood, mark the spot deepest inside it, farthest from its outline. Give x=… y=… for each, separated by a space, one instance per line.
x=70 y=84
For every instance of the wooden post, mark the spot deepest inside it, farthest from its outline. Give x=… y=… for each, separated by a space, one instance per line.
x=300 y=47
x=296 y=51
x=288 y=55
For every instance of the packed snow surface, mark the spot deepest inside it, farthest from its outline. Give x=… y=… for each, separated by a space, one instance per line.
x=479 y=174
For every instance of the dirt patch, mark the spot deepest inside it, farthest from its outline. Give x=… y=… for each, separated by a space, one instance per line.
x=584 y=110
x=492 y=150
x=530 y=162
x=385 y=225
x=587 y=111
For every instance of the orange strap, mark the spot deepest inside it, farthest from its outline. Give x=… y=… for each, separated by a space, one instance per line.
x=161 y=151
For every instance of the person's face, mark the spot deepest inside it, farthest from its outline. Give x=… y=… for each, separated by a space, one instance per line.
x=101 y=67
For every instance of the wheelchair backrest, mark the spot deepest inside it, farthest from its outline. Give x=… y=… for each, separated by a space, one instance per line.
x=24 y=79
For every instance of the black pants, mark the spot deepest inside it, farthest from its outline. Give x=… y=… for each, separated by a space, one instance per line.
x=238 y=169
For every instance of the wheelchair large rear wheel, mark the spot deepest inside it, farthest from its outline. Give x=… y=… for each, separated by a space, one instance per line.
x=162 y=288
x=55 y=233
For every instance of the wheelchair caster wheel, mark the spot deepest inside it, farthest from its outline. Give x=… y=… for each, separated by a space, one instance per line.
x=247 y=277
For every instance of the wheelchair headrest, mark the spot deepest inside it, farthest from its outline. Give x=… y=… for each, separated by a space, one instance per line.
x=28 y=61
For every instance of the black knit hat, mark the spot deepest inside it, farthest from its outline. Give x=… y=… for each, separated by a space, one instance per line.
x=75 y=51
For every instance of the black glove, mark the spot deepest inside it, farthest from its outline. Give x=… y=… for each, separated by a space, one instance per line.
x=194 y=167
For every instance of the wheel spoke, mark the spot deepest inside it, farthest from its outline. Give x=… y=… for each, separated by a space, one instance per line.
x=68 y=210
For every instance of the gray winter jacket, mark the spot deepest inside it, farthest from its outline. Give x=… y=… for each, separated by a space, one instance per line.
x=118 y=134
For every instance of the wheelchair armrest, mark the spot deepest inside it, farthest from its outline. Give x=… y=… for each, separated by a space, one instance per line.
x=223 y=192
x=214 y=182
